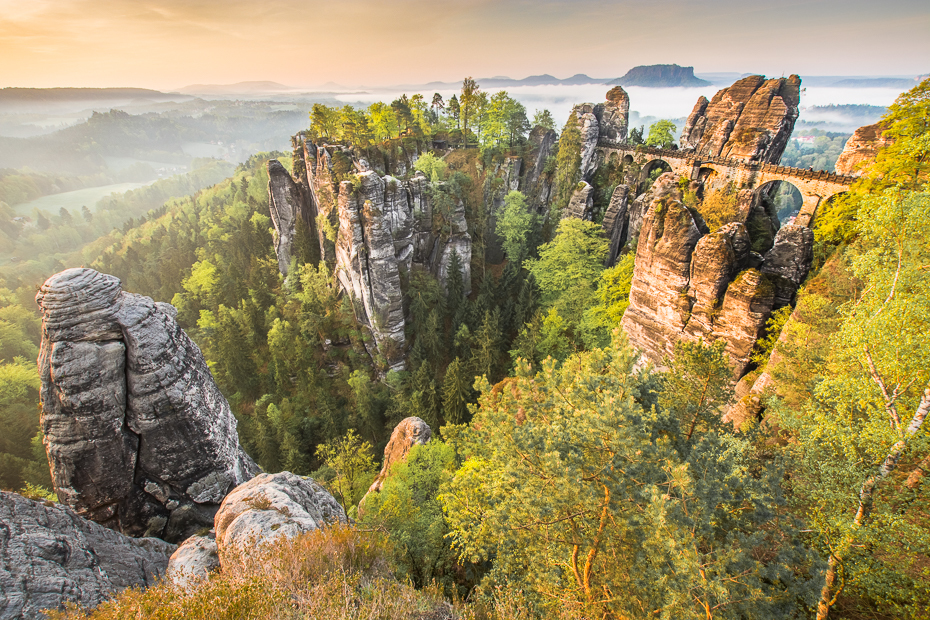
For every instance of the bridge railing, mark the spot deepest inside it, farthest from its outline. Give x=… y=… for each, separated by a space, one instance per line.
x=800 y=173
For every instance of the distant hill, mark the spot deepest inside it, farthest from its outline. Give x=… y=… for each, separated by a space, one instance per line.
x=661 y=76
x=48 y=99
x=875 y=83
x=247 y=88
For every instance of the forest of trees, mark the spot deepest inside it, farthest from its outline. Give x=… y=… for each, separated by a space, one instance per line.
x=565 y=480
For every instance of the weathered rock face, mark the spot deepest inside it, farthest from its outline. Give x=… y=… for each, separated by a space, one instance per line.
x=659 y=305
x=271 y=506
x=138 y=436
x=861 y=149
x=287 y=204
x=49 y=556
x=194 y=559
x=750 y=120
x=616 y=222
x=376 y=230
x=581 y=205
x=789 y=261
x=410 y=432
x=613 y=118
x=589 y=127
x=536 y=186
x=689 y=285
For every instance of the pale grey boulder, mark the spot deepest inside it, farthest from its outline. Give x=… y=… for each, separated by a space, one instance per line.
x=193 y=560
x=50 y=556
x=271 y=506
x=139 y=438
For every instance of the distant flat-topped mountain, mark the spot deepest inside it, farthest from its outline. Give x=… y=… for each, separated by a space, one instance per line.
x=661 y=76
x=233 y=89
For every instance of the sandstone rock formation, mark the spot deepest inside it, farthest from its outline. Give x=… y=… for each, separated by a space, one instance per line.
x=789 y=261
x=604 y=125
x=536 y=186
x=410 y=432
x=287 y=204
x=581 y=204
x=616 y=222
x=375 y=229
x=613 y=118
x=194 y=559
x=49 y=555
x=750 y=120
x=138 y=436
x=860 y=149
x=661 y=76
x=271 y=506
x=691 y=285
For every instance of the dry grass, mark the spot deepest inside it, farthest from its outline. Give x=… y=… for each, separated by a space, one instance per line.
x=337 y=574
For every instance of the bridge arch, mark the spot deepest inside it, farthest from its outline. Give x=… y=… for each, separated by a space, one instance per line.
x=780 y=197
x=651 y=170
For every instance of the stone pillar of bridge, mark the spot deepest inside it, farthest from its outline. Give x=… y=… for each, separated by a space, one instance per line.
x=808 y=210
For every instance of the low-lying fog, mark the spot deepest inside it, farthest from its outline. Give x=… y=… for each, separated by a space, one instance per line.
x=671 y=103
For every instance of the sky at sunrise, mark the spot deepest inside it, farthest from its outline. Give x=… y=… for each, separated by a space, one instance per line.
x=167 y=44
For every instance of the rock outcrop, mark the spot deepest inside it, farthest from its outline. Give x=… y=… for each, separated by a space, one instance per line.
x=750 y=120
x=374 y=230
x=194 y=559
x=271 y=506
x=689 y=284
x=581 y=204
x=536 y=186
x=604 y=125
x=49 y=556
x=287 y=204
x=410 y=432
x=860 y=150
x=613 y=118
x=138 y=436
x=616 y=222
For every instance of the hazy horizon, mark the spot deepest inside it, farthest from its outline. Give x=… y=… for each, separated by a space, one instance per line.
x=167 y=44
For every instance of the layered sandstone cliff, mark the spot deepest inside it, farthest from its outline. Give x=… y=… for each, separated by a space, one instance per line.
x=139 y=438
x=692 y=284
x=750 y=120
x=860 y=150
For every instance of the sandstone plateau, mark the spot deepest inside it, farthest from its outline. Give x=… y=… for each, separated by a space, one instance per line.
x=138 y=436
x=860 y=149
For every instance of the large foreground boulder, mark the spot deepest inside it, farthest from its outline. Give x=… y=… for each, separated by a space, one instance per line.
x=49 y=556
x=194 y=559
x=271 y=506
x=139 y=438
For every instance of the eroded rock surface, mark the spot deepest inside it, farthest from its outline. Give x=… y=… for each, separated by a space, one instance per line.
x=750 y=120
x=49 y=556
x=589 y=127
x=138 y=436
x=691 y=285
x=410 y=432
x=860 y=150
x=271 y=506
x=613 y=117
x=194 y=559
x=287 y=204
x=581 y=204
x=616 y=222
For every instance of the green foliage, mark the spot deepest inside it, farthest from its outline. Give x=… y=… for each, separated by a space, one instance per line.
x=662 y=134
x=515 y=222
x=766 y=344
x=697 y=386
x=569 y=266
x=353 y=467
x=567 y=165
x=719 y=207
x=636 y=136
x=589 y=500
x=543 y=118
x=432 y=166
x=408 y=509
x=864 y=420
x=611 y=301
x=819 y=155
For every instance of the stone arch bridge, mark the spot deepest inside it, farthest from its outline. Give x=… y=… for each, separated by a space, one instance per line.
x=815 y=187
